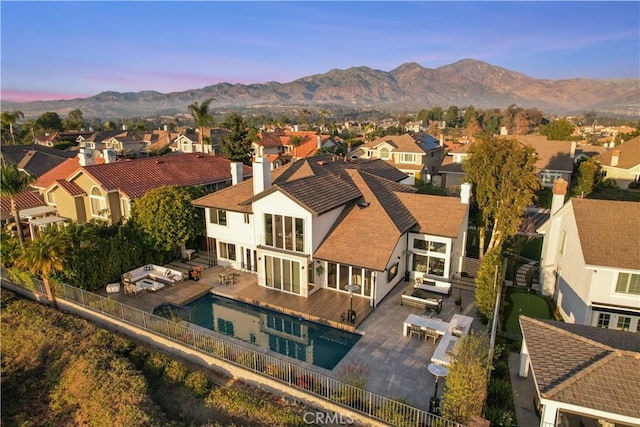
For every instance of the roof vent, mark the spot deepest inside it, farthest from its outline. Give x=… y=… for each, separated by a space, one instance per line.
x=362 y=204
x=322 y=162
x=159 y=161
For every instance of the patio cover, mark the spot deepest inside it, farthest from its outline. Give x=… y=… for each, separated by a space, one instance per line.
x=37 y=211
x=45 y=220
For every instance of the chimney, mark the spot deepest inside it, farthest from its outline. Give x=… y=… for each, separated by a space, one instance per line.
x=261 y=175
x=465 y=193
x=319 y=142
x=124 y=127
x=572 y=154
x=109 y=155
x=166 y=128
x=559 y=192
x=615 y=157
x=236 y=173
x=441 y=140
x=85 y=157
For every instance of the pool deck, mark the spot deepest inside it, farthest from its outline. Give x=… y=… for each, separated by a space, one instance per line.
x=397 y=364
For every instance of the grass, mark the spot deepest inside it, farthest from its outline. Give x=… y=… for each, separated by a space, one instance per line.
x=520 y=301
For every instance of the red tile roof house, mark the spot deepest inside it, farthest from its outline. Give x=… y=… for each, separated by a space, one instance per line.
x=277 y=146
x=326 y=223
x=105 y=192
x=582 y=375
x=555 y=160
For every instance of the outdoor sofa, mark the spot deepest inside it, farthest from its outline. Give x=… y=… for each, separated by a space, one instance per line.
x=422 y=299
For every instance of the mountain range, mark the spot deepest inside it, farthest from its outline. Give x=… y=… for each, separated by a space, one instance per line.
x=410 y=87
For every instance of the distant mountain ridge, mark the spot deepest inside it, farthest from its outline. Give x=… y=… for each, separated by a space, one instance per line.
x=409 y=87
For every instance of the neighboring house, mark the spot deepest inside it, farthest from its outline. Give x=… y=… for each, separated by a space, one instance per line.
x=192 y=143
x=34 y=160
x=622 y=163
x=129 y=144
x=279 y=149
x=106 y=191
x=555 y=160
x=327 y=222
x=50 y=139
x=409 y=155
x=590 y=261
x=414 y=127
x=583 y=376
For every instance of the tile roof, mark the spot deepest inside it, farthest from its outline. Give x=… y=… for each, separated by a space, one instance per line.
x=450 y=166
x=403 y=143
x=62 y=171
x=24 y=200
x=552 y=155
x=36 y=160
x=70 y=187
x=134 y=178
x=629 y=154
x=269 y=139
x=609 y=232
x=584 y=365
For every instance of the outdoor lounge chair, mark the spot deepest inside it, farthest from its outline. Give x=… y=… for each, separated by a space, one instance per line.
x=415 y=330
x=431 y=333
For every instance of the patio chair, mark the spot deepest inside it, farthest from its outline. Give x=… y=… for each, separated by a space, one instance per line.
x=415 y=330
x=431 y=333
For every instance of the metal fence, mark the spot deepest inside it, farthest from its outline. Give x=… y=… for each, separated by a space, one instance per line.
x=365 y=402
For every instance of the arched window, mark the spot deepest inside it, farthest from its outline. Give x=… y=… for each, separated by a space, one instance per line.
x=384 y=153
x=97 y=202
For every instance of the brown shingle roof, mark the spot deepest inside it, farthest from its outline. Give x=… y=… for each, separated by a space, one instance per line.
x=609 y=232
x=584 y=365
x=436 y=215
x=552 y=155
x=629 y=154
x=134 y=178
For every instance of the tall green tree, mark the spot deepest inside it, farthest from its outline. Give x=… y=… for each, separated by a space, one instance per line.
x=237 y=143
x=13 y=183
x=452 y=116
x=167 y=216
x=488 y=282
x=44 y=255
x=586 y=180
x=466 y=385
x=201 y=115
x=74 y=120
x=50 y=121
x=504 y=177
x=9 y=119
x=469 y=114
x=558 y=130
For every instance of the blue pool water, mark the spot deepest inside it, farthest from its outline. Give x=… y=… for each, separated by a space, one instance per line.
x=306 y=341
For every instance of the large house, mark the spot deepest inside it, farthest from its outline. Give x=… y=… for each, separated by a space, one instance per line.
x=327 y=222
x=622 y=163
x=591 y=261
x=34 y=160
x=417 y=156
x=284 y=146
x=583 y=376
x=555 y=160
x=87 y=190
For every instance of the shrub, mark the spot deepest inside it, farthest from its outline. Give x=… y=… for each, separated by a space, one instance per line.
x=248 y=360
x=395 y=414
x=354 y=373
x=500 y=416
x=276 y=371
x=156 y=363
x=139 y=356
x=198 y=383
x=175 y=371
x=500 y=393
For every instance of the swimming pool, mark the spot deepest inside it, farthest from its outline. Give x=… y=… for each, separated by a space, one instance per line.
x=309 y=342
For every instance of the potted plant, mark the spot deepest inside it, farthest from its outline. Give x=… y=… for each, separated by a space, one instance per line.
x=195 y=273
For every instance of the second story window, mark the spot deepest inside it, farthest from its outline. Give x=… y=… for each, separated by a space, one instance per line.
x=628 y=283
x=218 y=216
x=98 y=203
x=385 y=154
x=284 y=232
x=408 y=158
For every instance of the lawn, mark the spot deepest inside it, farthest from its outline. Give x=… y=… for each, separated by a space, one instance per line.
x=520 y=301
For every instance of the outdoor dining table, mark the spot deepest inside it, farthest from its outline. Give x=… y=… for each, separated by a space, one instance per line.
x=425 y=323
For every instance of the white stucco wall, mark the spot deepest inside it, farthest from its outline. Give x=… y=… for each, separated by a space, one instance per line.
x=279 y=204
x=321 y=226
x=383 y=286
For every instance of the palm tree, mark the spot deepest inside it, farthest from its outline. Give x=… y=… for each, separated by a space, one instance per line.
x=44 y=255
x=9 y=118
x=201 y=115
x=12 y=184
x=295 y=141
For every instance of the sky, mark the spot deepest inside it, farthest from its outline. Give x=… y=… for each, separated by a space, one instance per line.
x=74 y=49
